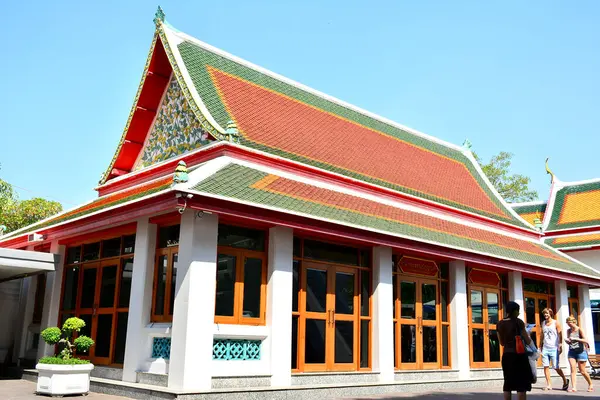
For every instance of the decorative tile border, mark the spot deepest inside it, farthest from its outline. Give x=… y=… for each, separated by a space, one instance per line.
x=161 y=347
x=228 y=349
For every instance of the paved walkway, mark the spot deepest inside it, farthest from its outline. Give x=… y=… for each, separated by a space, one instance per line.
x=495 y=393
x=24 y=390
x=11 y=389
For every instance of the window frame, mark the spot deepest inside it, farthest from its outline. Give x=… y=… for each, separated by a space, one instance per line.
x=238 y=292
x=166 y=316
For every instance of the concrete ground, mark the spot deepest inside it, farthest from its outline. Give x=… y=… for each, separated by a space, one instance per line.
x=18 y=389
x=25 y=390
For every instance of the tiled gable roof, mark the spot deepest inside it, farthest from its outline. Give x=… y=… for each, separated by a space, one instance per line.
x=575 y=206
x=575 y=241
x=250 y=186
x=288 y=120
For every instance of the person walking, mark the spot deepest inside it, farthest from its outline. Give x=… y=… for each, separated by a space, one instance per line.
x=551 y=348
x=577 y=353
x=515 y=365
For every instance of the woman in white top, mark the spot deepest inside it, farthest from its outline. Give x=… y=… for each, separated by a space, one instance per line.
x=577 y=353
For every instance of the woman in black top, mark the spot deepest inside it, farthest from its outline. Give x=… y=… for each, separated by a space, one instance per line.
x=516 y=369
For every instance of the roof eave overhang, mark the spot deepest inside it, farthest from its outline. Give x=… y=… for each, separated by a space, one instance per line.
x=252 y=213
x=16 y=264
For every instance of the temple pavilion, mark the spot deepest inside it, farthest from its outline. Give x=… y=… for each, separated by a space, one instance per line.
x=252 y=232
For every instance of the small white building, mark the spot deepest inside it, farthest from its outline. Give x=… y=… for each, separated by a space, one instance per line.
x=251 y=232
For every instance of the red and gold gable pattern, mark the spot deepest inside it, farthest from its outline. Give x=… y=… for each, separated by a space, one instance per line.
x=283 y=119
x=248 y=185
x=576 y=206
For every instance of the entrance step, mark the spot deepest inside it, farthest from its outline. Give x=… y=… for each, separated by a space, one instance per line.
x=324 y=378
x=147 y=378
x=300 y=392
x=425 y=375
x=113 y=373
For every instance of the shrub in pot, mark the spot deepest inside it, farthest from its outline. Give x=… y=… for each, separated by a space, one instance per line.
x=63 y=373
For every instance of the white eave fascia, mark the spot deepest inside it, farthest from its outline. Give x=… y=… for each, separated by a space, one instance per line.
x=527 y=203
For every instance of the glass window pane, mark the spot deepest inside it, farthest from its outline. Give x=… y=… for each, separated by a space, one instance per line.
x=504 y=280
x=73 y=255
x=125 y=288
x=297 y=247
x=103 y=333
x=168 y=236
x=492 y=308
x=476 y=307
x=86 y=330
x=444 y=301
x=295 y=342
x=70 y=290
x=129 y=244
x=91 y=251
x=296 y=284
x=429 y=344
x=365 y=292
x=408 y=343
x=119 y=356
x=314 y=345
x=173 y=282
x=494 y=346
x=159 y=298
x=575 y=311
x=365 y=258
x=108 y=286
x=243 y=238
x=364 y=344
x=477 y=343
x=572 y=291
x=429 y=301
x=330 y=252
x=316 y=290
x=344 y=293
x=344 y=342
x=252 y=286
x=395 y=344
x=88 y=289
x=111 y=248
x=445 y=347
x=530 y=310
x=395 y=292
x=408 y=298
x=226 y=270
x=444 y=270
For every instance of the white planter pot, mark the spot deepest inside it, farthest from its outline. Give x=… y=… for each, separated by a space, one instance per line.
x=58 y=380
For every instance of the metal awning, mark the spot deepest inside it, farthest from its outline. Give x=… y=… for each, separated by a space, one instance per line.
x=15 y=264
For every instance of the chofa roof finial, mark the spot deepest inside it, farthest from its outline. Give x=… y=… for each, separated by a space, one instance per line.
x=232 y=132
x=467 y=145
x=159 y=17
x=3 y=229
x=548 y=171
x=181 y=173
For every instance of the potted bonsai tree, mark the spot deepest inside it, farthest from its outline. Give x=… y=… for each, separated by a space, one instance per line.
x=63 y=373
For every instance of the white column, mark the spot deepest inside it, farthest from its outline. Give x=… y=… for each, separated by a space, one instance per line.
x=585 y=315
x=52 y=297
x=459 y=320
x=194 y=312
x=26 y=303
x=140 y=301
x=515 y=291
x=383 y=311
x=279 y=303
x=561 y=314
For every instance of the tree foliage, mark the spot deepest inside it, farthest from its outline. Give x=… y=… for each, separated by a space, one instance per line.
x=512 y=187
x=15 y=213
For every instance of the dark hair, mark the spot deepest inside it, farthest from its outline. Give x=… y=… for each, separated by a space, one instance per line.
x=512 y=308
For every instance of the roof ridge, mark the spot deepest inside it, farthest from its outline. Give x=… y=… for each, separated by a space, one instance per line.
x=301 y=86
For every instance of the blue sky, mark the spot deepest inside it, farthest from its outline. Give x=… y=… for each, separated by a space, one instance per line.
x=509 y=76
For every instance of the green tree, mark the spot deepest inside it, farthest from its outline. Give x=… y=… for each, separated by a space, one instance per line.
x=15 y=213
x=512 y=187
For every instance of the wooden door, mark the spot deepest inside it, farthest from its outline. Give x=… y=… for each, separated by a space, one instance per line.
x=534 y=304
x=484 y=314
x=103 y=326
x=419 y=323
x=329 y=318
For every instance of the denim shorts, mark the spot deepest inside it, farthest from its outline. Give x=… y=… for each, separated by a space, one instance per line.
x=578 y=356
x=550 y=356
